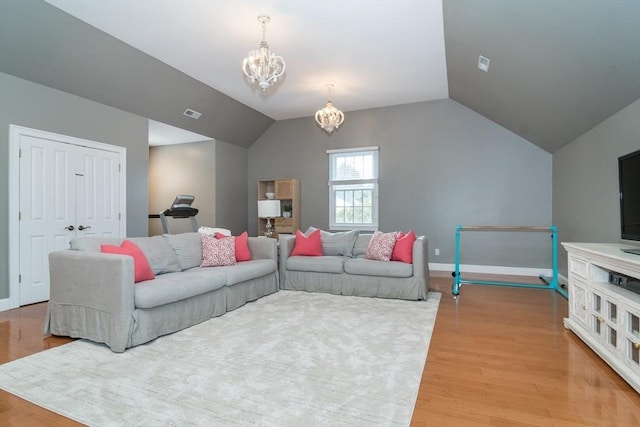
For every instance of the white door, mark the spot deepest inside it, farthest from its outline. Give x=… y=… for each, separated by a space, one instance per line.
x=66 y=190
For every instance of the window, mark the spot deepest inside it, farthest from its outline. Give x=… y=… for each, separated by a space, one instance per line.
x=353 y=188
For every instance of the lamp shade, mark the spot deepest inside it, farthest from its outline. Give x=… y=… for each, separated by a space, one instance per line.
x=268 y=208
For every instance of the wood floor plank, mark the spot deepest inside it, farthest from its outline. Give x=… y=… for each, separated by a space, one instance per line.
x=498 y=357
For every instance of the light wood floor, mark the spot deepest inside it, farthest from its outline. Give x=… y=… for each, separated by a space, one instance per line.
x=498 y=357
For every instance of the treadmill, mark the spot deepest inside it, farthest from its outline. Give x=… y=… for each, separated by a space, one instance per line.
x=180 y=209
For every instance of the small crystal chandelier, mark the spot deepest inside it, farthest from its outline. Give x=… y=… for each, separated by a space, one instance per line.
x=261 y=65
x=329 y=117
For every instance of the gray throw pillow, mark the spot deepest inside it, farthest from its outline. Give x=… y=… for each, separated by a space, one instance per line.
x=188 y=248
x=337 y=244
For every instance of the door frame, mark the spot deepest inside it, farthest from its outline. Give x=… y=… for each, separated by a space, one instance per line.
x=15 y=132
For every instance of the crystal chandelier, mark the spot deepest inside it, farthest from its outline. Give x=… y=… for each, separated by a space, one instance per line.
x=261 y=65
x=329 y=117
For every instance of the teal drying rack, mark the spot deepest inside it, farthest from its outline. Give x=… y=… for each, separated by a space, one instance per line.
x=551 y=282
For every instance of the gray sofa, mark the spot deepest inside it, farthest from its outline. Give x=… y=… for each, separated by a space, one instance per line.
x=93 y=294
x=351 y=274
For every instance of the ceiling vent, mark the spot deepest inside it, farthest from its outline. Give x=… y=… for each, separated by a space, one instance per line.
x=191 y=113
x=483 y=63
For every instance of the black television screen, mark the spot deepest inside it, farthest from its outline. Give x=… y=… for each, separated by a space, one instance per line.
x=629 y=172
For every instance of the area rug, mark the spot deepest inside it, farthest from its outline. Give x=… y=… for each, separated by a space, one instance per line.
x=288 y=359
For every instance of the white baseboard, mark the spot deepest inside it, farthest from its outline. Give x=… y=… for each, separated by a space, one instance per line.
x=492 y=269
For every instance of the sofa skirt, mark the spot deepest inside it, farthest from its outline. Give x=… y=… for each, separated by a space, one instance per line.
x=410 y=288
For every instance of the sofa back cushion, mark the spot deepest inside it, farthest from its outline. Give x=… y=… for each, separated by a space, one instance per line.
x=93 y=244
x=337 y=244
x=159 y=252
x=361 y=245
x=187 y=247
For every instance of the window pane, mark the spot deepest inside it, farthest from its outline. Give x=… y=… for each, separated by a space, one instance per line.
x=348 y=215
x=367 y=217
x=348 y=198
x=357 y=215
x=357 y=198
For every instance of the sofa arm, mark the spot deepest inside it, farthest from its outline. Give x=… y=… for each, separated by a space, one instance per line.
x=421 y=260
x=92 y=297
x=92 y=279
x=263 y=248
x=287 y=242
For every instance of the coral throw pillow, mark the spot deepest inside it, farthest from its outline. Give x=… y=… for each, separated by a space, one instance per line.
x=242 y=246
x=217 y=252
x=307 y=245
x=381 y=246
x=142 y=269
x=403 y=250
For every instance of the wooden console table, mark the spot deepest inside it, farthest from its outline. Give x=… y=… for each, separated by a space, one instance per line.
x=606 y=316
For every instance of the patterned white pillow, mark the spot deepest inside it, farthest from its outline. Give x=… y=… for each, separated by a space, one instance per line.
x=381 y=246
x=217 y=252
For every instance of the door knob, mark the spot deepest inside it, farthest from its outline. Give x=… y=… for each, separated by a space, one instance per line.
x=82 y=227
x=70 y=228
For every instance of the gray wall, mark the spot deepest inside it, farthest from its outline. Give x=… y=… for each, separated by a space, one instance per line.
x=586 y=207
x=215 y=172
x=182 y=169
x=231 y=187
x=39 y=107
x=441 y=165
x=43 y=44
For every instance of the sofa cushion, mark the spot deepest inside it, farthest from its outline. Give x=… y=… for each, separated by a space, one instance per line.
x=340 y=244
x=248 y=270
x=320 y=264
x=141 y=268
x=368 y=267
x=172 y=287
x=361 y=245
x=93 y=244
x=381 y=246
x=187 y=247
x=160 y=254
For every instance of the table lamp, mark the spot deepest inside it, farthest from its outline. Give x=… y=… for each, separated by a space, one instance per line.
x=268 y=209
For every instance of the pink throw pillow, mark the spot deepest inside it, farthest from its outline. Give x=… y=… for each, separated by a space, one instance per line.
x=217 y=252
x=141 y=268
x=307 y=246
x=242 y=245
x=381 y=246
x=403 y=250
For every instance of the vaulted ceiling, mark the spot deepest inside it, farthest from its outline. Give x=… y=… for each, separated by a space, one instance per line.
x=558 y=67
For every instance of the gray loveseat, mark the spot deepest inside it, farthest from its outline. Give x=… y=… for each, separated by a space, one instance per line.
x=349 y=273
x=93 y=294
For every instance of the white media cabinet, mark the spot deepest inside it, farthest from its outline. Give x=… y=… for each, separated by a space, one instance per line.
x=605 y=316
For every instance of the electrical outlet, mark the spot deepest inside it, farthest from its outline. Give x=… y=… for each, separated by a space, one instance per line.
x=437 y=252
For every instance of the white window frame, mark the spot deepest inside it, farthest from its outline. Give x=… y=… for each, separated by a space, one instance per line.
x=335 y=184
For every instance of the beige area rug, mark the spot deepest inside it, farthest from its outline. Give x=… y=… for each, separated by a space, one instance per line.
x=289 y=359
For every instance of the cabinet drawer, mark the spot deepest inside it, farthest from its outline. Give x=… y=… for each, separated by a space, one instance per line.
x=284 y=222
x=579 y=267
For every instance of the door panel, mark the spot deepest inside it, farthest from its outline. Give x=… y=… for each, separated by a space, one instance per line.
x=97 y=193
x=45 y=210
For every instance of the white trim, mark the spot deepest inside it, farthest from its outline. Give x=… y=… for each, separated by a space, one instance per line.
x=15 y=132
x=351 y=150
x=492 y=269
